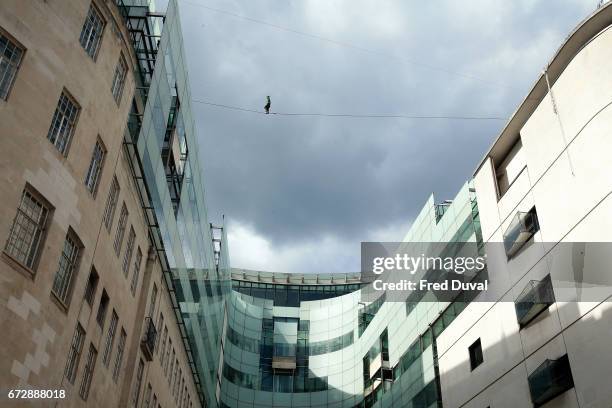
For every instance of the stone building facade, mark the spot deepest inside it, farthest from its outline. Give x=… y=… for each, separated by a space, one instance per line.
x=87 y=300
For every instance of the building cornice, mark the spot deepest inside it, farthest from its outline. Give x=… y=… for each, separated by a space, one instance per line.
x=582 y=35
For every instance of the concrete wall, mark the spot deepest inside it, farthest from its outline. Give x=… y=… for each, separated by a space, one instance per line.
x=569 y=182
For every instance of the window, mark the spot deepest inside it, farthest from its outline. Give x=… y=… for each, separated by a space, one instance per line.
x=62 y=282
x=147 y=396
x=110 y=338
x=91 y=34
x=120 y=229
x=74 y=354
x=63 y=123
x=160 y=324
x=88 y=372
x=509 y=167
x=102 y=308
x=153 y=301
x=28 y=229
x=177 y=381
x=167 y=358
x=171 y=367
x=163 y=345
x=136 y=272
x=119 y=356
x=174 y=374
x=11 y=55
x=95 y=167
x=119 y=79
x=179 y=393
x=171 y=373
x=138 y=383
x=476 y=358
x=92 y=285
x=111 y=204
x=125 y=266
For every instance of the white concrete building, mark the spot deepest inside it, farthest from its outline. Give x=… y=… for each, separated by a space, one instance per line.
x=544 y=188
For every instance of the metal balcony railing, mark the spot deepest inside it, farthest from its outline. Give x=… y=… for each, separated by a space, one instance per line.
x=533 y=300
x=523 y=226
x=549 y=380
x=149 y=336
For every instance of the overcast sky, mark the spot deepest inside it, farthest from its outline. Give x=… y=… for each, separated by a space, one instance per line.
x=299 y=194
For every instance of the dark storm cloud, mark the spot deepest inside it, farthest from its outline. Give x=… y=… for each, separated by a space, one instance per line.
x=299 y=180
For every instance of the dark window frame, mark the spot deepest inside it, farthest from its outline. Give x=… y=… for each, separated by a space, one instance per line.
x=100 y=24
x=63 y=293
x=88 y=372
x=36 y=245
x=64 y=122
x=13 y=65
x=74 y=353
x=102 y=308
x=476 y=354
x=92 y=286
x=96 y=166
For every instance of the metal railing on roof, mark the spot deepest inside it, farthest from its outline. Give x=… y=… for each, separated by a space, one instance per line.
x=282 y=278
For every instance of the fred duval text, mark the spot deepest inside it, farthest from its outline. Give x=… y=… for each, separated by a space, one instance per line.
x=425 y=285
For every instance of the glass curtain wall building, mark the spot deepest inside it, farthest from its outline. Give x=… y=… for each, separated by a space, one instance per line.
x=162 y=147
x=327 y=348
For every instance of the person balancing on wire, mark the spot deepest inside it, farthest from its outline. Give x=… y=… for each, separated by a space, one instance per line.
x=268 y=104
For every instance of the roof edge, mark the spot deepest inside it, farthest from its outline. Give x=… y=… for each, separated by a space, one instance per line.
x=585 y=31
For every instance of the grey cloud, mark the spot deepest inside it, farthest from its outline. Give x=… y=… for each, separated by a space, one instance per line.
x=298 y=179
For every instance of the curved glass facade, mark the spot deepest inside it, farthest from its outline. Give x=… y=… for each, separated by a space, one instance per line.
x=290 y=342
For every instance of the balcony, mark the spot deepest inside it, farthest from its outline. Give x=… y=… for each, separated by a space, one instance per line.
x=533 y=300
x=147 y=343
x=524 y=225
x=283 y=362
x=551 y=379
